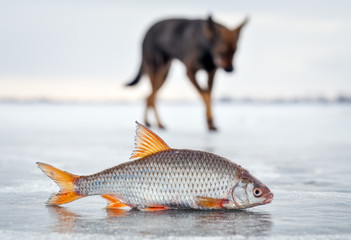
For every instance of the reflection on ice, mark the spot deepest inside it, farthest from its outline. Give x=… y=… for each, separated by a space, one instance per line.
x=66 y=220
x=170 y=223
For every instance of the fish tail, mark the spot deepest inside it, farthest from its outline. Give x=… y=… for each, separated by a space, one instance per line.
x=65 y=181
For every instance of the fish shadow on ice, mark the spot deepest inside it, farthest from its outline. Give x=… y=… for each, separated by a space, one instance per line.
x=163 y=223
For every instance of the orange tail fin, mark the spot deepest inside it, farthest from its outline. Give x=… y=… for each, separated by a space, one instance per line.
x=65 y=181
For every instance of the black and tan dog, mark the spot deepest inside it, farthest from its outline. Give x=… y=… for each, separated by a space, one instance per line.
x=199 y=44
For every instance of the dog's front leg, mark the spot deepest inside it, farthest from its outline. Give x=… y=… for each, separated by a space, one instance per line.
x=208 y=102
x=205 y=95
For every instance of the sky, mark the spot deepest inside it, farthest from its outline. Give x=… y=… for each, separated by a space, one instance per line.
x=87 y=50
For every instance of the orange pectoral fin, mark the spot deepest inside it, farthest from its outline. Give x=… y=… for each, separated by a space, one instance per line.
x=207 y=202
x=114 y=203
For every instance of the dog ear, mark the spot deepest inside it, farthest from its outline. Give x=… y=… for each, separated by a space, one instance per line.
x=238 y=28
x=209 y=27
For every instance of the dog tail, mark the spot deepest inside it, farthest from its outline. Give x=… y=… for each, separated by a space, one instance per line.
x=137 y=78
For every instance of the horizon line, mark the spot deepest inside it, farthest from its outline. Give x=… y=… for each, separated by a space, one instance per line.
x=225 y=99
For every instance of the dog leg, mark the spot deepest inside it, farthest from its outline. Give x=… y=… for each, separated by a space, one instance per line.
x=147 y=107
x=151 y=103
x=157 y=79
x=208 y=102
x=205 y=95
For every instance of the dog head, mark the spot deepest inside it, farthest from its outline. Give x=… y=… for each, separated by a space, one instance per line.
x=224 y=43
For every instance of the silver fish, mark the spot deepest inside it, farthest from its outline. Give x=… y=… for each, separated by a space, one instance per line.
x=160 y=177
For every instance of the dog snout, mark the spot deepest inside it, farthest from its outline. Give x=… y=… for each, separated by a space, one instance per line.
x=229 y=69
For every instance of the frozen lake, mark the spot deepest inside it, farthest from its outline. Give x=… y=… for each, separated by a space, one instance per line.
x=302 y=152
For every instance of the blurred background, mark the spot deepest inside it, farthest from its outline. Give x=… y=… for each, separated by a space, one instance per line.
x=86 y=50
x=284 y=114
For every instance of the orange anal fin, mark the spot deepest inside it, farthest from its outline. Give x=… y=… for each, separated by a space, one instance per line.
x=214 y=203
x=114 y=203
x=62 y=198
x=155 y=208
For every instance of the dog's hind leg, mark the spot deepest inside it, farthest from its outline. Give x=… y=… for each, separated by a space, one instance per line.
x=157 y=78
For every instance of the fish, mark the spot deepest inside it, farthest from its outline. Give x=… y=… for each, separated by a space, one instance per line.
x=159 y=177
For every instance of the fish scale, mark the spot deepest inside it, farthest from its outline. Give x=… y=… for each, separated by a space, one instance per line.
x=173 y=177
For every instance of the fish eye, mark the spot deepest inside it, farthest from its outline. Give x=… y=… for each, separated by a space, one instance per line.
x=257 y=192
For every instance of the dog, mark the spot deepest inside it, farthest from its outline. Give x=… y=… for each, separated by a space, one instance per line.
x=198 y=44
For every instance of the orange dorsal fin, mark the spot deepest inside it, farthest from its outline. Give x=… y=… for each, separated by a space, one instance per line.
x=147 y=142
x=65 y=181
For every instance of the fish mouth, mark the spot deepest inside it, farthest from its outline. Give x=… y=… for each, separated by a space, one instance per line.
x=269 y=198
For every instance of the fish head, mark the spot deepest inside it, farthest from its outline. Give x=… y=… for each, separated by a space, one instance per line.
x=250 y=192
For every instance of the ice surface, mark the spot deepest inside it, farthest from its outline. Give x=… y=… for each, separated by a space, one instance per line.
x=302 y=152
